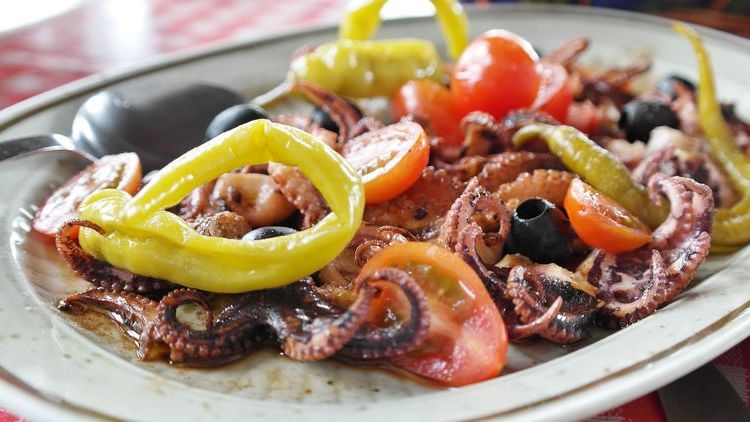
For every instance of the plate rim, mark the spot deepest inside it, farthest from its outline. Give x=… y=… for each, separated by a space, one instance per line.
x=737 y=320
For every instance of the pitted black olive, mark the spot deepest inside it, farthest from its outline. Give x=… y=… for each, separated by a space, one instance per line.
x=540 y=231
x=639 y=117
x=667 y=85
x=268 y=232
x=233 y=117
x=322 y=119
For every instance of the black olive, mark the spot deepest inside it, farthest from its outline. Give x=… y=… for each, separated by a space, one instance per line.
x=322 y=119
x=268 y=232
x=667 y=85
x=639 y=117
x=540 y=231
x=233 y=117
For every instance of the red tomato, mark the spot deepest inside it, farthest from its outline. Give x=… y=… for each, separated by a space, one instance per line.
x=601 y=222
x=495 y=74
x=554 y=96
x=431 y=104
x=467 y=341
x=121 y=171
x=389 y=160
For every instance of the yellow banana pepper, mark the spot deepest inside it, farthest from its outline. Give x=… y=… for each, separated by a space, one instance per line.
x=731 y=226
x=368 y=68
x=140 y=236
x=363 y=18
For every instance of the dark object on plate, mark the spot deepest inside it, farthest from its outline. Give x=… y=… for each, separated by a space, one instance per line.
x=639 y=117
x=322 y=119
x=541 y=232
x=268 y=232
x=159 y=120
x=702 y=395
x=667 y=85
x=233 y=117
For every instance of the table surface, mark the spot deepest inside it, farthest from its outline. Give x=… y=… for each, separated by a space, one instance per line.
x=102 y=35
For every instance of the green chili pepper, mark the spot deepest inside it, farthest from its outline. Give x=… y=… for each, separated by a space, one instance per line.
x=140 y=236
x=363 y=18
x=598 y=167
x=723 y=148
x=368 y=68
x=731 y=227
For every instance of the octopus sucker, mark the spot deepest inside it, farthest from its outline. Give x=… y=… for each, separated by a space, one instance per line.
x=99 y=273
x=634 y=284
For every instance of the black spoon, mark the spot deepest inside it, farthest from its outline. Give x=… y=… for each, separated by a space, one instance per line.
x=159 y=120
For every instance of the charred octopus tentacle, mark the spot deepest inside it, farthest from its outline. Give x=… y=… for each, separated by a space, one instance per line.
x=634 y=284
x=295 y=316
x=569 y=312
x=100 y=273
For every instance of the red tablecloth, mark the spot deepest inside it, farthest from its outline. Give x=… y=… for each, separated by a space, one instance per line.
x=105 y=34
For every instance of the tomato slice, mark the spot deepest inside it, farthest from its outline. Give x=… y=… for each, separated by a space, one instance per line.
x=602 y=223
x=121 y=171
x=554 y=96
x=467 y=341
x=389 y=160
x=496 y=73
x=432 y=105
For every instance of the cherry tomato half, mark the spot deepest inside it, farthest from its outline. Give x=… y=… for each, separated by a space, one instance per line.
x=432 y=105
x=467 y=341
x=554 y=95
x=389 y=160
x=121 y=171
x=601 y=222
x=496 y=74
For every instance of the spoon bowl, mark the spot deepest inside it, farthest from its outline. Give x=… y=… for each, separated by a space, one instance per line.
x=159 y=120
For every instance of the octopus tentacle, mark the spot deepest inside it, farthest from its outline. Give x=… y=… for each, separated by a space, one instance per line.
x=301 y=192
x=339 y=110
x=471 y=208
x=505 y=167
x=538 y=325
x=378 y=343
x=387 y=235
x=567 y=53
x=548 y=184
x=99 y=273
x=634 y=284
x=532 y=287
x=132 y=312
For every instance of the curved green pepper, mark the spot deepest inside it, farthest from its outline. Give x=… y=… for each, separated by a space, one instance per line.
x=598 y=167
x=363 y=18
x=368 y=68
x=731 y=227
x=723 y=148
x=143 y=238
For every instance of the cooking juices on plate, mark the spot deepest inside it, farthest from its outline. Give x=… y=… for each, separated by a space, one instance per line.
x=510 y=196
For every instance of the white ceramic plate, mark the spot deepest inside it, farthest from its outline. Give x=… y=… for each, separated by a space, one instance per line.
x=53 y=367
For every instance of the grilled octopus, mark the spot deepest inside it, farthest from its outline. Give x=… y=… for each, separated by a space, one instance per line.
x=298 y=317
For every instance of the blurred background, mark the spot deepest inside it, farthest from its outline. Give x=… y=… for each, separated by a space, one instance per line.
x=47 y=43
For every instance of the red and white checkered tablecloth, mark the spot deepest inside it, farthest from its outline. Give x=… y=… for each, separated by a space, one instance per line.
x=105 y=34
